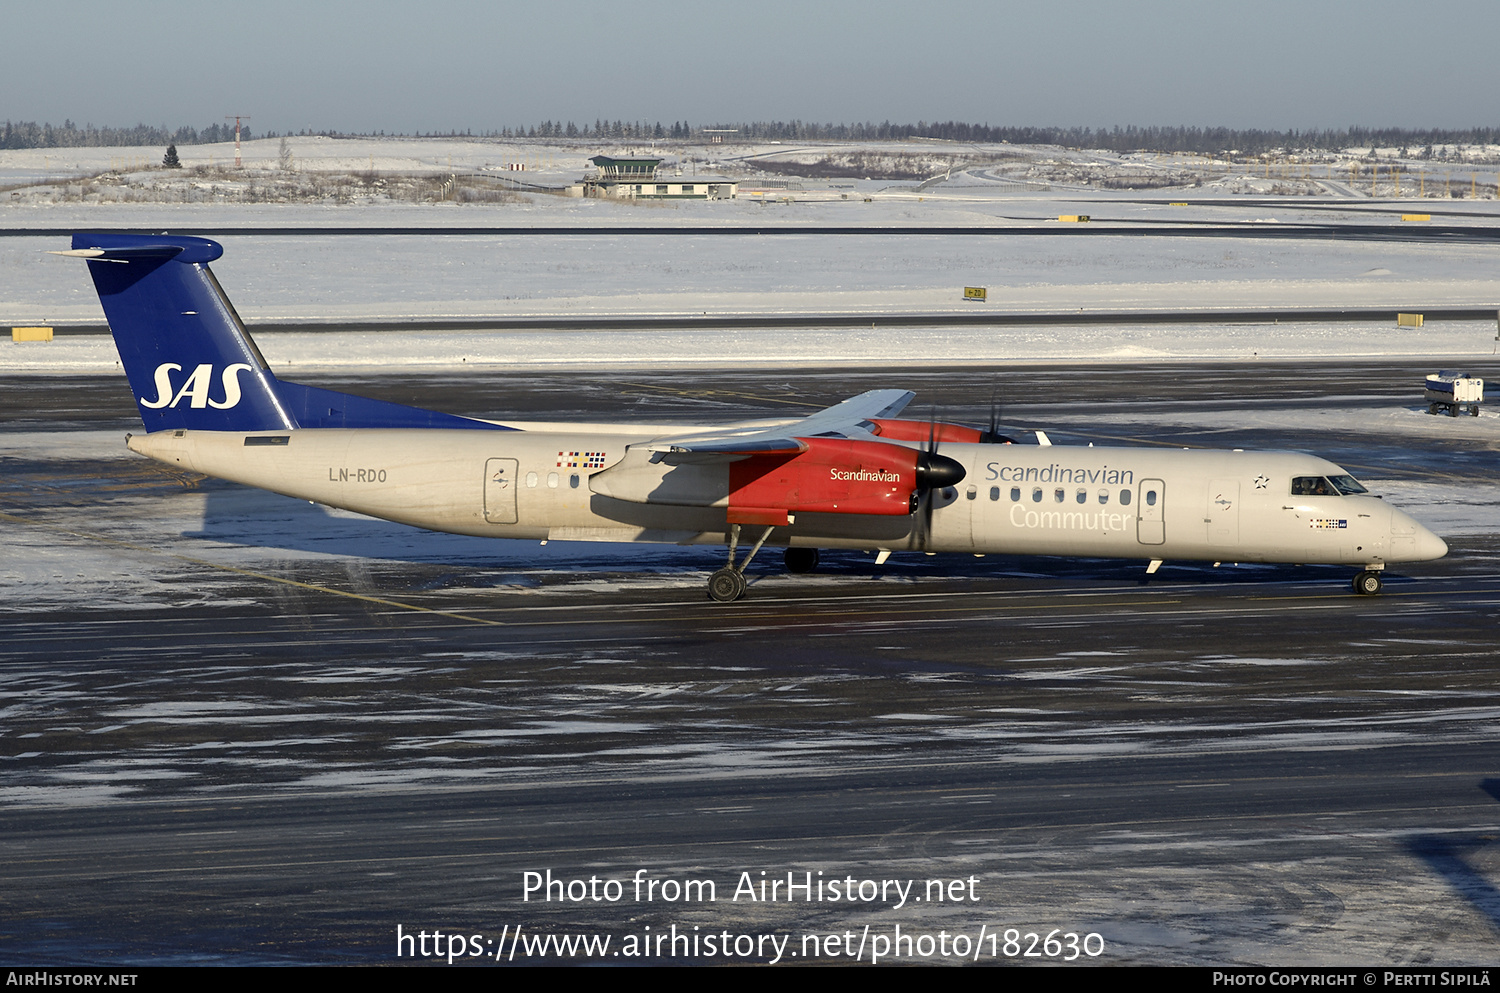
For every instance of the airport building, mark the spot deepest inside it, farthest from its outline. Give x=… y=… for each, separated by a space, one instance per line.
x=640 y=179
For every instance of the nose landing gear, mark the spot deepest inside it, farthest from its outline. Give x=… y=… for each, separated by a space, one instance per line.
x=1367 y=583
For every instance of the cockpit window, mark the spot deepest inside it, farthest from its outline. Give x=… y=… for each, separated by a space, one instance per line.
x=1312 y=486
x=1326 y=486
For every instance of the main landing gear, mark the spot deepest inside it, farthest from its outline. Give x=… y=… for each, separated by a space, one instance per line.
x=801 y=560
x=1367 y=583
x=728 y=584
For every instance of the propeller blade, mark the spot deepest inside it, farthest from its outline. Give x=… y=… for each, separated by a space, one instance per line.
x=993 y=435
x=924 y=518
x=935 y=473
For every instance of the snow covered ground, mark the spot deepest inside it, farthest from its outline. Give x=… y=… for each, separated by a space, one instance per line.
x=286 y=278
x=937 y=165
x=322 y=277
x=318 y=278
x=292 y=352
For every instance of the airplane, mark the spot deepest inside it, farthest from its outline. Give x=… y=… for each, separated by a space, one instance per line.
x=851 y=476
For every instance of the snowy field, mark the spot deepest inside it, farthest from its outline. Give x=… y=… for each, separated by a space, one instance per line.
x=332 y=278
x=317 y=278
x=275 y=278
x=290 y=353
x=918 y=166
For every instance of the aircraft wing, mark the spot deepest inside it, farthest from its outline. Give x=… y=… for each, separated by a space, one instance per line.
x=849 y=419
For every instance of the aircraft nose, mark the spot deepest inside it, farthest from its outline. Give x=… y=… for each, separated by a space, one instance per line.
x=1429 y=545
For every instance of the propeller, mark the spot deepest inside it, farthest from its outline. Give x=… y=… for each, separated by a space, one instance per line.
x=934 y=472
x=992 y=435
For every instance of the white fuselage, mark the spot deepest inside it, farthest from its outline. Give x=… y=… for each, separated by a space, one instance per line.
x=579 y=482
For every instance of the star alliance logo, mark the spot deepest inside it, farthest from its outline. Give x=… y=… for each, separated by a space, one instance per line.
x=1261 y=481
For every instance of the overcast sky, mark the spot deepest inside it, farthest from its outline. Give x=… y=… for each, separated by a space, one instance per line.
x=436 y=66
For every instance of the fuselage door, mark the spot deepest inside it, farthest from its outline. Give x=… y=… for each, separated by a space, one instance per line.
x=1151 y=512
x=500 y=480
x=1223 y=515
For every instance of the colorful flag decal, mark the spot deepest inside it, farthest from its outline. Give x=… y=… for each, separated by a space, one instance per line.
x=583 y=460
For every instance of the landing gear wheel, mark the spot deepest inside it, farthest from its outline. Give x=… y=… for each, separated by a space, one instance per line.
x=1367 y=583
x=801 y=559
x=726 y=585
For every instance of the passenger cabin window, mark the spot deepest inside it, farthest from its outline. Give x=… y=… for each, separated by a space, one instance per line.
x=1124 y=498
x=1015 y=494
x=573 y=481
x=1103 y=497
x=1058 y=496
x=994 y=492
x=552 y=480
x=531 y=480
x=1036 y=495
x=1083 y=496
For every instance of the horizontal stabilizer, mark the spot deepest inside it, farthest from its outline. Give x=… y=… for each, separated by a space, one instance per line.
x=319 y=408
x=130 y=247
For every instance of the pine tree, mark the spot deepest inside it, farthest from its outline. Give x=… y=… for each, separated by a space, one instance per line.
x=170 y=160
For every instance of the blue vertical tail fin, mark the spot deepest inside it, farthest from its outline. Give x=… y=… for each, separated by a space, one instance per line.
x=187 y=355
x=189 y=359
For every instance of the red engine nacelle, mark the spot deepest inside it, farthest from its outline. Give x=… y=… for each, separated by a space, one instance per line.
x=923 y=430
x=834 y=476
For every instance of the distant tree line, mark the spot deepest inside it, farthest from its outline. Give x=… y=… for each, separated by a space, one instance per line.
x=1208 y=141
x=29 y=134
x=1118 y=139
x=602 y=130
